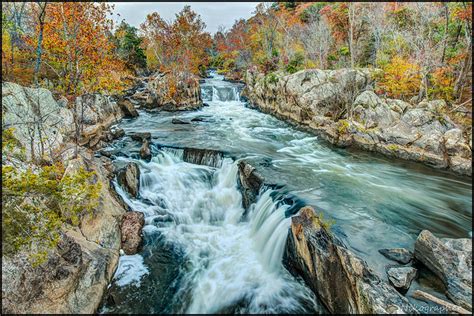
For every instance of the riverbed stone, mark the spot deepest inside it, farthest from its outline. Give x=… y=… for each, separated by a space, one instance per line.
x=344 y=283
x=451 y=261
x=127 y=108
x=179 y=121
x=129 y=178
x=206 y=157
x=401 y=277
x=141 y=136
x=131 y=229
x=250 y=182
x=145 y=152
x=401 y=255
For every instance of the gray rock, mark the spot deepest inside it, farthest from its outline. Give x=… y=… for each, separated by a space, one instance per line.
x=131 y=228
x=344 y=283
x=179 y=121
x=206 y=157
x=400 y=255
x=129 y=178
x=141 y=136
x=401 y=277
x=451 y=261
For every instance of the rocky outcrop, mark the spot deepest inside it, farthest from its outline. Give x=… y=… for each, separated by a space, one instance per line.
x=451 y=261
x=250 y=182
x=340 y=106
x=39 y=123
x=132 y=224
x=78 y=271
x=168 y=91
x=129 y=178
x=207 y=157
x=401 y=277
x=400 y=255
x=343 y=282
x=127 y=108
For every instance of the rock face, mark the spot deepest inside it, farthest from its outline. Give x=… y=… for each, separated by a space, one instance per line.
x=250 y=182
x=339 y=106
x=343 y=282
x=21 y=104
x=401 y=277
x=170 y=92
x=127 y=108
x=400 y=255
x=132 y=224
x=129 y=178
x=76 y=275
x=207 y=157
x=451 y=261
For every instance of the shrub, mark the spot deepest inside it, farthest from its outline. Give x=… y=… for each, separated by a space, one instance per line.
x=296 y=62
x=401 y=79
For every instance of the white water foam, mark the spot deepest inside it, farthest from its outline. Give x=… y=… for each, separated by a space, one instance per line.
x=231 y=262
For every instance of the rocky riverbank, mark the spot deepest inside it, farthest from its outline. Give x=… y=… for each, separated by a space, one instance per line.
x=78 y=271
x=341 y=107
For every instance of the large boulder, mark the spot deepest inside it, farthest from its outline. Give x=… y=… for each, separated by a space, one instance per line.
x=77 y=273
x=127 y=108
x=400 y=255
x=23 y=108
x=207 y=157
x=132 y=224
x=173 y=92
x=343 y=282
x=145 y=151
x=451 y=261
x=129 y=178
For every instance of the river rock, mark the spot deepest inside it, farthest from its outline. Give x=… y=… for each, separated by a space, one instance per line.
x=179 y=121
x=451 y=261
x=344 y=283
x=207 y=157
x=132 y=224
x=127 y=108
x=401 y=277
x=400 y=255
x=145 y=152
x=141 y=136
x=250 y=182
x=129 y=178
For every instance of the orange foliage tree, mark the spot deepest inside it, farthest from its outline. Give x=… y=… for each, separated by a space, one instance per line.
x=179 y=46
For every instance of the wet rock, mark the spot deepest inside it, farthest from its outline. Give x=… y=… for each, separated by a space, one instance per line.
x=132 y=224
x=400 y=255
x=129 y=178
x=207 y=157
x=401 y=277
x=118 y=133
x=451 y=261
x=145 y=152
x=141 y=136
x=179 y=121
x=127 y=108
x=343 y=282
x=197 y=119
x=250 y=183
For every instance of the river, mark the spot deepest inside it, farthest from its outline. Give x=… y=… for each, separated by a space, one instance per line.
x=201 y=256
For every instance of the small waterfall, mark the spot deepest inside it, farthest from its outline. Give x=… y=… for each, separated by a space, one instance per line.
x=233 y=265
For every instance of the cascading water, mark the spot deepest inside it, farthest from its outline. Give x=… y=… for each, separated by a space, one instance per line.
x=200 y=255
x=232 y=265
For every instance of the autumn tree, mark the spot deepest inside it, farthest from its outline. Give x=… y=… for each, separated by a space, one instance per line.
x=128 y=47
x=178 y=46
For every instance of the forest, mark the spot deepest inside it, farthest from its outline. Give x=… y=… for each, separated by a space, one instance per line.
x=112 y=131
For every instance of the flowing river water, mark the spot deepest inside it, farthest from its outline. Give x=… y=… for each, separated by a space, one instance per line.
x=201 y=255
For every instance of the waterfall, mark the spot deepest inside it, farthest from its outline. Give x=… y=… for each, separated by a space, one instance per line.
x=233 y=265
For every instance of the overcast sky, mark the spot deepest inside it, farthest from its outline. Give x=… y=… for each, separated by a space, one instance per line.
x=213 y=14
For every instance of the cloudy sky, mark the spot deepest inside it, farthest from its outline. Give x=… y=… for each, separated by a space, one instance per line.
x=213 y=14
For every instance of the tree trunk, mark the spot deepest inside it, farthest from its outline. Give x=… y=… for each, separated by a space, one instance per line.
x=40 y=41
